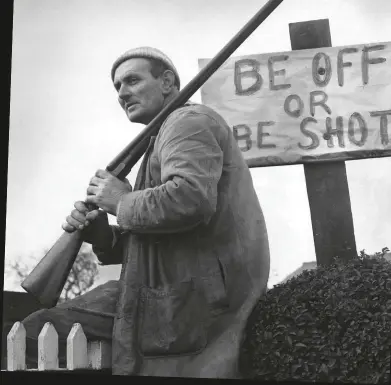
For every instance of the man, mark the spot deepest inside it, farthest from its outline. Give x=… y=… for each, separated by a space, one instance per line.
x=190 y=236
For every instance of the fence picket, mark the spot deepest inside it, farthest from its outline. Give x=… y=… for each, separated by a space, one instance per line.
x=99 y=354
x=16 y=347
x=77 y=348
x=48 y=348
x=81 y=354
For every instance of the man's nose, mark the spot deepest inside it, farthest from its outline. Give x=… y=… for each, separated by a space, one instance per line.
x=124 y=92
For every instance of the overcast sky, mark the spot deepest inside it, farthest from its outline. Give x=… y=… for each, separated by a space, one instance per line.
x=65 y=121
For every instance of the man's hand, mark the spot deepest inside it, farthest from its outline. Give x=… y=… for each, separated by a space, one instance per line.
x=105 y=191
x=79 y=218
x=94 y=224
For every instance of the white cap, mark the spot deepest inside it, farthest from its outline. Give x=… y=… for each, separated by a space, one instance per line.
x=145 y=52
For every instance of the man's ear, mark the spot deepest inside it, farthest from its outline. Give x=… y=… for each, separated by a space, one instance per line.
x=168 y=81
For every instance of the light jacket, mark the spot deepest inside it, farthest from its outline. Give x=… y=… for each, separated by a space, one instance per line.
x=193 y=245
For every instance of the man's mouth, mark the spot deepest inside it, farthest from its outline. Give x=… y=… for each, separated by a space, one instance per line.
x=128 y=106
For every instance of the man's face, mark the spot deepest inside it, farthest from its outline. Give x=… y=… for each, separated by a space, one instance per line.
x=139 y=93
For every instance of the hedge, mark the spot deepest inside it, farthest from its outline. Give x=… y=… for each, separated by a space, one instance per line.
x=328 y=324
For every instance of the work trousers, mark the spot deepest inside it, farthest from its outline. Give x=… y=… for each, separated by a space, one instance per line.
x=95 y=311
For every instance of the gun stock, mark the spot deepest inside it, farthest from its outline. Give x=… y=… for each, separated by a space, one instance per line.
x=48 y=278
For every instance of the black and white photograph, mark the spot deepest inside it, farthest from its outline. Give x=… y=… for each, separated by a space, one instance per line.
x=199 y=189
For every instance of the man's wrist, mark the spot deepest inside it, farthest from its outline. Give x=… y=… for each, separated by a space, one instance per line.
x=99 y=233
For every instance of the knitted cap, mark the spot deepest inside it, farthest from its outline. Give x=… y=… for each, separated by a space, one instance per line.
x=145 y=52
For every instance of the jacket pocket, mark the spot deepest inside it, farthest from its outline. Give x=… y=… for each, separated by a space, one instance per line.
x=214 y=282
x=172 y=322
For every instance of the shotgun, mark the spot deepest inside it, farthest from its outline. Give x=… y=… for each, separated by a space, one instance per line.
x=46 y=281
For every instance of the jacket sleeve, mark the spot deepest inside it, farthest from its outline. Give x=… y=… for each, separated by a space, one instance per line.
x=191 y=163
x=114 y=254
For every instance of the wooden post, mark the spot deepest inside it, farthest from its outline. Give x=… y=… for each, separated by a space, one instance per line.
x=77 y=348
x=327 y=184
x=48 y=348
x=16 y=347
x=99 y=354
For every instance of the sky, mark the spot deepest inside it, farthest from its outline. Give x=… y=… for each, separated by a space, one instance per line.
x=65 y=121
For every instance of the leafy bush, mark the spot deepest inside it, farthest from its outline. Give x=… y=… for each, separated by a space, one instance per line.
x=329 y=324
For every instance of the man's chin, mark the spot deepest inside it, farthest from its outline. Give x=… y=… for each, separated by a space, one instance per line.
x=135 y=117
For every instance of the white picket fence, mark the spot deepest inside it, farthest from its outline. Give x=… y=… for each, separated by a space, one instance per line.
x=81 y=354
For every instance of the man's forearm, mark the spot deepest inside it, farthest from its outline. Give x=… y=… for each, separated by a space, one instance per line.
x=99 y=233
x=109 y=249
x=102 y=239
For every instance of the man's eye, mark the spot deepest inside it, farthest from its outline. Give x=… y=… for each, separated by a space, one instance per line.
x=132 y=80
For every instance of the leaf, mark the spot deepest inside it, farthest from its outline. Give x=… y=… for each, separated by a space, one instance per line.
x=332 y=362
x=294 y=368
x=324 y=369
